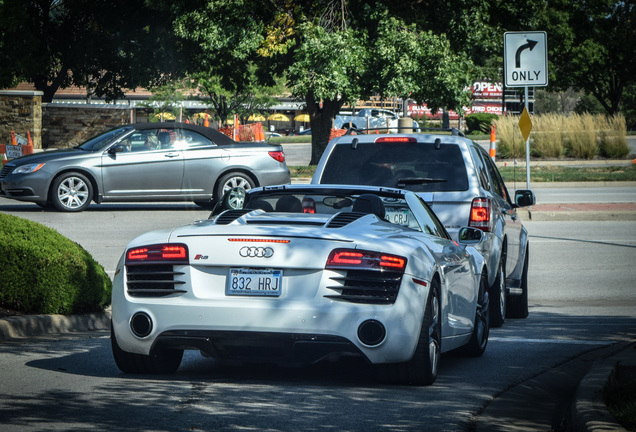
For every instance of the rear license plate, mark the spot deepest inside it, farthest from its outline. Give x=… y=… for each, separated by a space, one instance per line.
x=254 y=282
x=398 y=217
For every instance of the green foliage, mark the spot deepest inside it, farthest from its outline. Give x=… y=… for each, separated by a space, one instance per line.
x=556 y=173
x=591 y=47
x=480 y=122
x=44 y=272
x=619 y=395
x=328 y=64
x=100 y=44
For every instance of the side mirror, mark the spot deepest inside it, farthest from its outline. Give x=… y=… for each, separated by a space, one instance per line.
x=118 y=148
x=524 y=198
x=470 y=236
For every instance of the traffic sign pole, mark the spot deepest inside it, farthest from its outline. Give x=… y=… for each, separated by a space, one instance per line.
x=527 y=142
x=526 y=65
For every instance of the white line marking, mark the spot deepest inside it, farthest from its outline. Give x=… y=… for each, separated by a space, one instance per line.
x=551 y=341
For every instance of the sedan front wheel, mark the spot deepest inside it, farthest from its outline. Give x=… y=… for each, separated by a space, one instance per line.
x=71 y=192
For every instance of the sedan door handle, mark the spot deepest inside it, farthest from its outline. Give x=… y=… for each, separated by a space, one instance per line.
x=171 y=155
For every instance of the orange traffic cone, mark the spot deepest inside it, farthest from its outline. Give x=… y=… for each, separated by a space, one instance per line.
x=14 y=141
x=206 y=123
x=493 y=149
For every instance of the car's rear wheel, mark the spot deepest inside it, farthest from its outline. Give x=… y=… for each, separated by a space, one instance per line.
x=161 y=361
x=233 y=180
x=498 y=295
x=479 y=339
x=422 y=368
x=71 y=192
x=518 y=304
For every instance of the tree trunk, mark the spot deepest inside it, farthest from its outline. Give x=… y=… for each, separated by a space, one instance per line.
x=321 y=122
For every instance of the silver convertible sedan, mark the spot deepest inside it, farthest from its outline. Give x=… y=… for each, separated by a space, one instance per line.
x=295 y=274
x=144 y=162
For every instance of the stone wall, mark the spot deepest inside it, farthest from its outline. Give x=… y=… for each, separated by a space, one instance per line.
x=21 y=112
x=69 y=125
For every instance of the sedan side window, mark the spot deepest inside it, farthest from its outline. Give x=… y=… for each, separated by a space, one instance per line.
x=191 y=140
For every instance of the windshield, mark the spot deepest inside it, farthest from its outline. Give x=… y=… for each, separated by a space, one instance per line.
x=100 y=141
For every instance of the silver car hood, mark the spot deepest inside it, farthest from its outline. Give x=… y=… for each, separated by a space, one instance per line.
x=46 y=156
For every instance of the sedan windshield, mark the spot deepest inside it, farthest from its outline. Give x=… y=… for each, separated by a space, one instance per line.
x=100 y=141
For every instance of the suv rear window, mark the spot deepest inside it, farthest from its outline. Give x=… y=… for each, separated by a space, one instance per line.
x=385 y=164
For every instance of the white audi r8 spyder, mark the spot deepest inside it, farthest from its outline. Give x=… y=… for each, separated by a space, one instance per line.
x=295 y=274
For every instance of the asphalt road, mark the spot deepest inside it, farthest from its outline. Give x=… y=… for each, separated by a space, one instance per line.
x=581 y=296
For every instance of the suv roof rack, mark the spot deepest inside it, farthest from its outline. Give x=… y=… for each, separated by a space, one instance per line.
x=453 y=131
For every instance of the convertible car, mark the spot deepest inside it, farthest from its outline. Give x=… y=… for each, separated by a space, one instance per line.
x=295 y=274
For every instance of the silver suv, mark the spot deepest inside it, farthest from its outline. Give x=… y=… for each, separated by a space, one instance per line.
x=458 y=179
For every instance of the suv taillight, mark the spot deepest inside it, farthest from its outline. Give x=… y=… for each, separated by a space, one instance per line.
x=480 y=212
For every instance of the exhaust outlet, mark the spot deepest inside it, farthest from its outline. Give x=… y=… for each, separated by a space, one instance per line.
x=371 y=332
x=141 y=324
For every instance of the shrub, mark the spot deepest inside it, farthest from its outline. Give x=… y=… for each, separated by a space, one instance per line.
x=612 y=131
x=510 y=143
x=547 y=141
x=44 y=272
x=480 y=122
x=580 y=141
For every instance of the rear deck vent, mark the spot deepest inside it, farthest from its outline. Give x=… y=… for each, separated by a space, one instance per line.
x=230 y=216
x=153 y=280
x=343 y=219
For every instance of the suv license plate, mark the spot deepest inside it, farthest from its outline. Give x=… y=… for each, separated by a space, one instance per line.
x=254 y=282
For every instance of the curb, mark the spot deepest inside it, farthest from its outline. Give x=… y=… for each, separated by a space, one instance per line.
x=589 y=412
x=35 y=325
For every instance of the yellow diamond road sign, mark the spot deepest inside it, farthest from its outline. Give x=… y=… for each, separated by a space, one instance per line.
x=525 y=124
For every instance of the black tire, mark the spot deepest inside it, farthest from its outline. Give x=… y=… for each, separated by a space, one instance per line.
x=158 y=362
x=232 y=180
x=71 y=192
x=518 y=304
x=479 y=339
x=207 y=205
x=498 y=300
x=423 y=366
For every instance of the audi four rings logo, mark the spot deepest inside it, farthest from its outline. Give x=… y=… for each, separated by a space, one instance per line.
x=256 y=252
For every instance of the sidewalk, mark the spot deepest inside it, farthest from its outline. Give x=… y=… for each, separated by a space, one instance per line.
x=568 y=397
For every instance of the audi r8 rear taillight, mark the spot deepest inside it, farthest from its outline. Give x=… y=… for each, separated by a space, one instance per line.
x=174 y=253
x=480 y=214
x=361 y=259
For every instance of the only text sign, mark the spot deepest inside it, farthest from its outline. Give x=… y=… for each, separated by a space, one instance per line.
x=526 y=59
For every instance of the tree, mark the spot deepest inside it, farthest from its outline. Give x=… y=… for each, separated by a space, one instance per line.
x=105 y=45
x=591 y=47
x=328 y=55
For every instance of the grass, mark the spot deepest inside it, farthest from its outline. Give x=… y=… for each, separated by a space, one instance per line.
x=537 y=174
x=620 y=397
x=571 y=174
